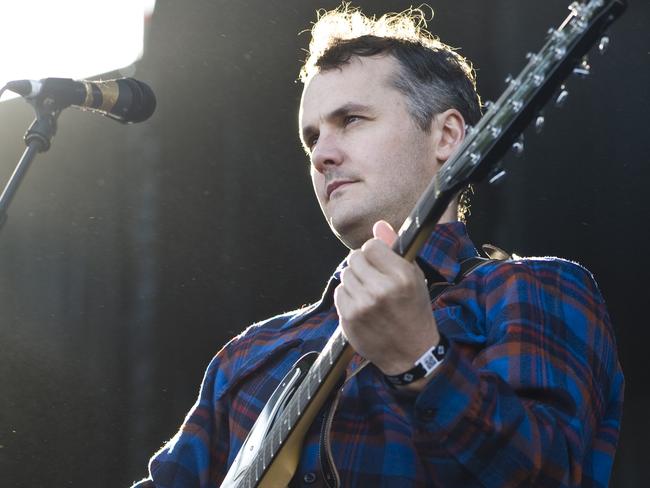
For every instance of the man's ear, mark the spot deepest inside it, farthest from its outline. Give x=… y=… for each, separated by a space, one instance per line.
x=449 y=127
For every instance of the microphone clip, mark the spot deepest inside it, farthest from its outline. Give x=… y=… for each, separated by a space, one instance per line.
x=43 y=128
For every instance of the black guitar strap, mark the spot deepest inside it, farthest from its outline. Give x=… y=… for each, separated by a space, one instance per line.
x=437 y=284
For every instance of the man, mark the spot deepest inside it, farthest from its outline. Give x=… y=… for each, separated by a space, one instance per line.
x=529 y=391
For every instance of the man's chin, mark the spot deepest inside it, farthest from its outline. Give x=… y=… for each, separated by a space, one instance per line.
x=352 y=232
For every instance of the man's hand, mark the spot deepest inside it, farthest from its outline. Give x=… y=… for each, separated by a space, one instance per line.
x=383 y=305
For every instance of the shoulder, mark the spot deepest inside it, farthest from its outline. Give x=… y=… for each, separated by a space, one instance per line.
x=257 y=343
x=546 y=296
x=270 y=328
x=546 y=273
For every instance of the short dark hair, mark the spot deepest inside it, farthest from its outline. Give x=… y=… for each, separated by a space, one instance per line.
x=433 y=76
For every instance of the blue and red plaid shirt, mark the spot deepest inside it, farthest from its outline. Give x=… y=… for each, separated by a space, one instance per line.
x=529 y=394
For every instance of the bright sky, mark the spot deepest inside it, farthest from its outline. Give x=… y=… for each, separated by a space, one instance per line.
x=69 y=38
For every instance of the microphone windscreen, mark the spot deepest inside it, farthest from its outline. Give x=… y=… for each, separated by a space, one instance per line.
x=143 y=104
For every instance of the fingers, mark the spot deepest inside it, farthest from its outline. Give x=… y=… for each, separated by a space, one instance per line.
x=381 y=257
x=365 y=272
x=375 y=272
x=360 y=282
x=375 y=261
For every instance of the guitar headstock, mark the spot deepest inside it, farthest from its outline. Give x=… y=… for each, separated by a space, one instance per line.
x=526 y=95
x=521 y=103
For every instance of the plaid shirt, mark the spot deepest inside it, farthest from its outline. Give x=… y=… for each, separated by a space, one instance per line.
x=529 y=394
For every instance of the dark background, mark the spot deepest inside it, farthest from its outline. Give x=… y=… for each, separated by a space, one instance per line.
x=132 y=253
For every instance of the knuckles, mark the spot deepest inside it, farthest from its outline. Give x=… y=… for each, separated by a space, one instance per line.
x=355 y=257
x=374 y=248
x=359 y=298
x=345 y=275
x=359 y=308
x=403 y=281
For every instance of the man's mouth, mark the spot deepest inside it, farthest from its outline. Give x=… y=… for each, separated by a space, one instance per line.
x=334 y=185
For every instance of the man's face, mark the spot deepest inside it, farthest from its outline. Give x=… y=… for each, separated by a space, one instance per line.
x=370 y=160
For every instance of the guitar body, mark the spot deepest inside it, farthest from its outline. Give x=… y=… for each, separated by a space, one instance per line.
x=272 y=410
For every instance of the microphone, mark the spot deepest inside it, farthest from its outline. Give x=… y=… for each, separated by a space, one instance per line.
x=126 y=100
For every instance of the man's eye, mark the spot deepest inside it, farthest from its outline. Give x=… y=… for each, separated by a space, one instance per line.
x=348 y=119
x=312 y=141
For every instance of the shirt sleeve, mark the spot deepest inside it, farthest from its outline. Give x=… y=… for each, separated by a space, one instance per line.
x=202 y=443
x=540 y=404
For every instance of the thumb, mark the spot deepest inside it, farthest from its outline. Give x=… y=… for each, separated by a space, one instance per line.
x=383 y=231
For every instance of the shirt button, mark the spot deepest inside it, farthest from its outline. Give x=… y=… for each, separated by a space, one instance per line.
x=309 y=478
x=429 y=413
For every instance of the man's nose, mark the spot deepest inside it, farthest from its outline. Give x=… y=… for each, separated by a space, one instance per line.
x=326 y=153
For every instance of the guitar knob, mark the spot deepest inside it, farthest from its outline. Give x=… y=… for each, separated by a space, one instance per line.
x=561 y=99
x=583 y=69
x=518 y=147
x=603 y=44
x=539 y=123
x=496 y=176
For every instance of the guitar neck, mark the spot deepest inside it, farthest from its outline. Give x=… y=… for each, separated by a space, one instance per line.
x=283 y=441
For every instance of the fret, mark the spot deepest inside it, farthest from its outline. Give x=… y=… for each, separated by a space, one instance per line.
x=264 y=459
x=339 y=342
x=293 y=408
x=299 y=407
x=301 y=395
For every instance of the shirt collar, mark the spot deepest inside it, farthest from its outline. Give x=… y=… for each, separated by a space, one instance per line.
x=446 y=248
x=443 y=251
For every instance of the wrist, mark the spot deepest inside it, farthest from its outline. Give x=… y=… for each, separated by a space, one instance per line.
x=423 y=367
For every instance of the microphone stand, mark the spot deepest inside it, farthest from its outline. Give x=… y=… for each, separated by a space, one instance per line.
x=37 y=139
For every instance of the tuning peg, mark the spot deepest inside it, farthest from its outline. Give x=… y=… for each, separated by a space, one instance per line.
x=534 y=57
x=562 y=97
x=539 y=123
x=494 y=130
x=518 y=146
x=512 y=81
x=583 y=69
x=487 y=105
x=555 y=34
x=603 y=44
x=516 y=105
x=496 y=175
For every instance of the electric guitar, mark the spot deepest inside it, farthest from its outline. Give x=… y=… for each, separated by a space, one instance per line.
x=269 y=456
